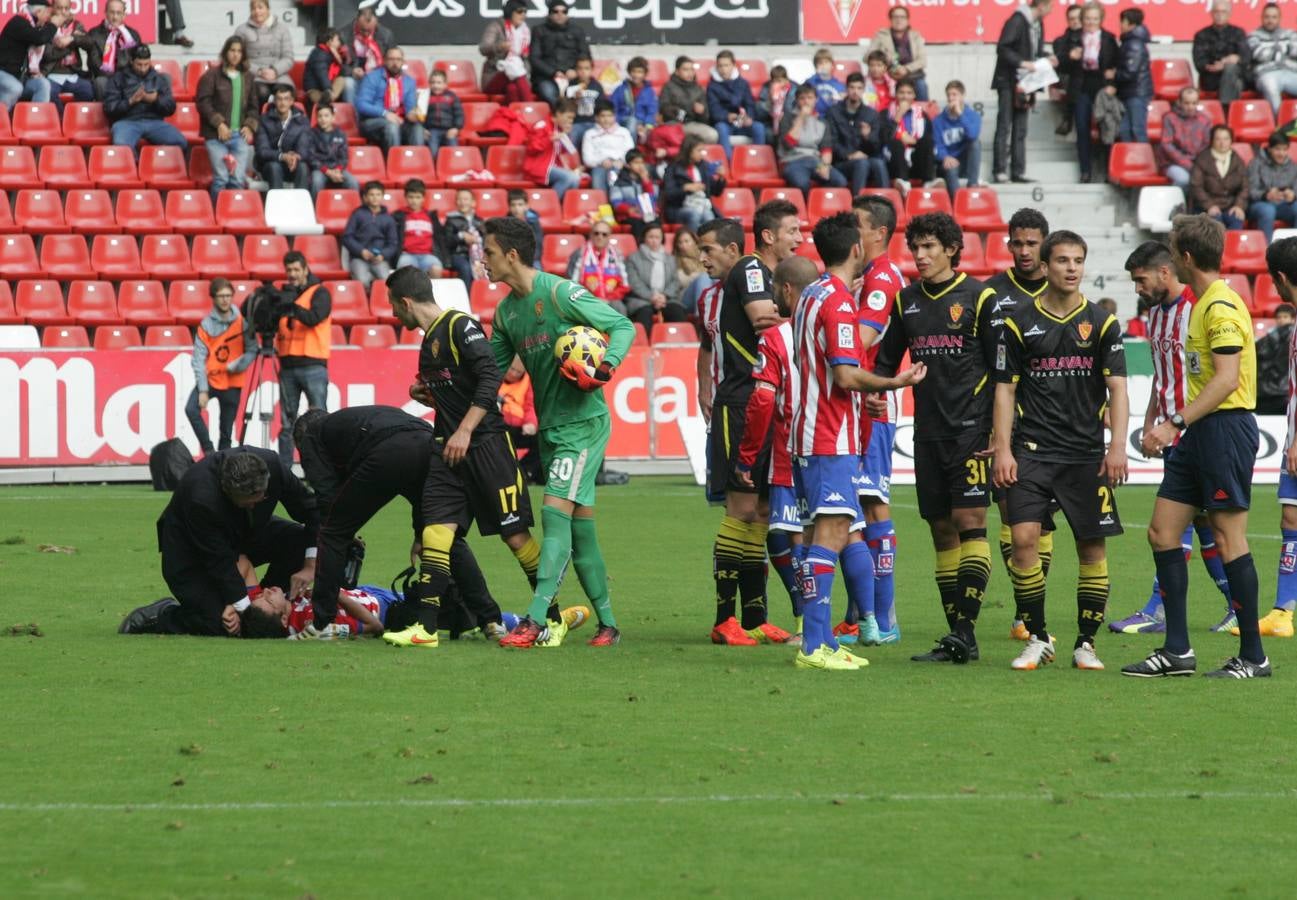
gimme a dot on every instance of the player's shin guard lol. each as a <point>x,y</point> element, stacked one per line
<point>1286,591</point>
<point>1243,592</point>
<point>974,573</point>
<point>1173,576</point>
<point>858,570</point>
<point>1029,597</point>
<point>587,559</point>
<point>528,556</point>
<point>881,538</point>
<point>1045,550</point>
<point>434,573</point>
<point>1091,599</point>
<point>817,594</point>
<point>1211,558</point>
<point>779,544</point>
<point>947,572</point>
<point>752,576</point>
<point>727,558</point>
<point>555,551</point>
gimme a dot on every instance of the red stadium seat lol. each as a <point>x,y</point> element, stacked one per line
<point>171,68</point>
<point>404,163</point>
<point>922,200</point>
<point>190,212</point>
<point>373,337</point>
<point>735,203</point>
<point>7,314</point>
<point>380,307</point>
<point>455,163</point>
<point>366,164</point>
<point>658,73</point>
<point>1170,76</point>
<point>899,253</point>
<point>144,302</point>
<point>18,257</point>
<point>410,337</point>
<point>6,127</point>
<point>263,256</point>
<point>1244,252</point>
<point>242,288</point>
<point>492,202</point>
<point>166,256</point>
<point>6,213</point>
<point>1238,283</point>
<point>544,203</point>
<point>529,113</point>
<point>333,206</point>
<point>114,168</point>
<point>1265,297</point>
<point>187,120</point>
<point>841,69</point>
<point>323,256</point>
<point>755,72</point>
<point>484,296</point>
<point>93,303</point>
<point>461,77</point>
<point>998,257</point>
<point>189,301</point>
<point>972,259</point>
<point>754,166</point>
<point>978,209</point>
<point>673,333</point>
<point>63,167</point>
<point>66,256</point>
<point>298,70</point>
<point>892,194</point>
<point>350,302</point>
<point>1287,111</point>
<point>715,153</point>
<point>241,212</point>
<point>168,336</point>
<point>1132,165</point>
<point>115,256</point>
<point>141,212</point>
<point>338,335</point>
<point>417,69</point>
<point>40,212</point>
<point>165,167</point>
<point>65,337</point>
<point>793,196</point>
<point>1245,152</point>
<point>579,205</point>
<point>217,255</point>
<point>18,169</point>
<point>200,170</point>
<point>1252,121</point>
<point>557,249</point>
<point>476,115</point>
<point>1214,109</point>
<point>440,200</point>
<point>37,124</point>
<point>117,337</point>
<point>625,244</point>
<point>641,336</point>
<point>40,302</point>
<point>827,201</point>
<point>1157,110</point>
<point>344,119</point>
<point>92,211</point>
<point>505,162</point>
<point>194,71</point>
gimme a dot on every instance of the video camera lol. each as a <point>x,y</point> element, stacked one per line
<point>264,307</point>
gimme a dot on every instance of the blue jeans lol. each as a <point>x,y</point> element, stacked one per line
<point>577,135</point>
<point>1082,113</point>
<point>388,134</point>
<point>600,177</point>
<point>920,88</point>
<point>423,261</point>
<point>1179,176</point>
<point>129,133</point>
<point>228,401</point>
<point>801,174</point>
<point>222,177</point>
<point>861,171</point>
<point>563,180</point>
<point>690,217</point>
<point>437,139</point>
<point>37,90</point>
<point>756,131</point>
<point>81,89</point>
<point>293,381</point>
<point>320,181</point>
<point>1264,214</point>
<point>1134,124</point>
<point>1230,222</point>
<point>276,173</point>
<point>1273,86</point>
<point>693,290</point>
<point>970,165</point>
<point>546,90</point>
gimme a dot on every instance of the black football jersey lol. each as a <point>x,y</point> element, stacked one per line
<point>458,366</point>
<point>948,328</point>
<point>1012,291</point>
<point>1059,365</point>
<point>736,340</point>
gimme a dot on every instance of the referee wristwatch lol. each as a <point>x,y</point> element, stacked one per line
<point>1178,421</point>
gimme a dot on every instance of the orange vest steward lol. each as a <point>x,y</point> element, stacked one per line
<point>223,349</point>
<point>296,339</point>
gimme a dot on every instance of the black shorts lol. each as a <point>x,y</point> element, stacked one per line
<point>949,475</point>
<point>723,442</point>
<point>486,486</point>
<point>1211,466</point>
<point>1088,501</point>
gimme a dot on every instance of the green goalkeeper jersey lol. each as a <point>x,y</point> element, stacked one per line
<point>529,327</point>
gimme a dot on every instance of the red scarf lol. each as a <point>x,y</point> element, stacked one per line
<point>73,59</point>
<point>519,39</point>
<point>335,67</point>
<point>392,98</point>
<point>603,274</point>
<point>367,49</point>
<point>118,39</point>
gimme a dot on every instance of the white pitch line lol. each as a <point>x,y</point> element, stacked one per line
<point>559,802</point>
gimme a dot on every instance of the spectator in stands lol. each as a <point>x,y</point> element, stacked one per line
<point>731,106</point>
<point>908,134</point>
<point>327,76</point>
<point>1221,55</point>
<point>1067,50</point>
<point>24,35</point>
<point>327,153</point>
<point>463,242</point>
<point>518,407</point>
<point>110,43</point>
<point>418,232</point>
<point>268,44</point>
<point>1272,363</point>
<point>553,160</point>
<point>880,87</point>
<point>806,146</point>
<point>62,62</point>
<point>1095,71</point>
<point>599,268</point>
<point>683,102</point>
<point>520,208</point>
<point>829,91</point>
<point>228,117</point>
<point>905,49</point>
<point>387,103</point>
<point>956,143</point>
<point>1274,58</point>
<point>1108,305</point>
<point>1186,132</point>
<point>1134,76</point>
<point>1272,186</point>
<point>856,132</point>
<point>365,43</point>
<point>303,344</point>
<point>175,14</point>
<point>1137,325</point>
<point>584,91</point>
<point>282,142</point>
<point>634,195</point>
<point>444,118</point>
<point>506,54</point>
<point>689,269</point>
<point>556,46</point>
<point>689,185</point>
<point>138,101</point>
<point>370,236</point>
<point>1218,183</point>
<point>224,346</point>
<point>604,148</point>
<point>654,284</point>
<point>1020,44</point>
<point>775,100</point>
<point>634,100</point>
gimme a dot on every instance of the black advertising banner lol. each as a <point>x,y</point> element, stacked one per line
<point>605,21</point>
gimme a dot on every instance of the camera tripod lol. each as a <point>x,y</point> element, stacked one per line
<point>265,359</point>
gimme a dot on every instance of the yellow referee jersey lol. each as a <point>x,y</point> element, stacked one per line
<point>1220,323</point>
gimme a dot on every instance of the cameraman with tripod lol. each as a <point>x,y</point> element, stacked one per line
<point>224,346</point>
<point>302,344</point>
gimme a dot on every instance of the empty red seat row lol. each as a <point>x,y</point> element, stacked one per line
<point>135,211</point>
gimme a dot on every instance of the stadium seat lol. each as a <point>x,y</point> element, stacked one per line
<point>166,256</point>
<point>998,256</point>
<point>827,201</point>
<point>754,166</point>
<point>1170,76</point>
<point>6,127</point>
<point>344,119</point>
<point>141,211</point>
<point>188,301</point>
<point>115,257</point>
<point>1265,297</point>
<point>217,255</point>
<point>379,305</point>
<point>625,244</point>
<point>297,72</point>
<point>113,167</point>
<point>715,153</point>
<point>438,200</point>
<point>65,337</point>
<point>66,256</point>
<point>735,203</point>
<point>417,69</point>
<point>18,169</point>
<point>350,303</point>
<point>793,196</point>
<point>37,124</point>
<point>1287,111</point>
<point>641,336</point>
<point>18,257</point>
<point>898,204</point>
<point>241,212</point>
<point>93,303</point>
<point>8,316</point>
<point>186,120</point>
<point>505,162</point>
<point>476,115</point>
<point>40,212</point>
<point>1156,204</point>
<point>404,163</point>
<point>338,336</point>
<point>492,202</point>
<point>168,336</point>
<point>333,206</point>
<point>410,337</point>
<point>484,296</point>
<point>455,163</point>
<point>1157,110</point>
<point>659,71</point>
<point>165,167</point>
<point>242,288</point>
<point>190,212</point>
<point>1214,109</point>
<point>544,203</point>
<point>1252,121</point>
<point>1246,153</point>
<point>531,112</point>
<point>1132,165</point>
<point>978,209</point>
<point>806,250</point>
<point>366,164</point>
<point>19,337</point>
<point>6,213</point>
<point>556,250</point>
<point>841,69</point>
<point>40,302</point>
<point>755,72</point>
<point>117,337</point>
<point>63,168</point>
<point>1244,252</point>
<point>144,302</point>
<point>263,256</point>
<point>91,211</point>
<point>1239,284</point>
<point>450,292</point>
<point>973,259</point>
<point>394,198</point>
<point>291,212</point>
<point>373,337</point>
<point>171,68</point>
<point>461,77</point>
<point>323,255</point>
<point>194,71</point>
<point>899,253</point>
<point>673,333</point>
<point>922,200</point>
<point>579,206</point>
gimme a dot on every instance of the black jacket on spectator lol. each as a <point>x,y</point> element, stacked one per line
<point>326,150</point>
<point>677,176</point>
<point>1272,371</point>
<point>844,128</point>
<point>444,111</point>
<point>53,60</point>
<point>275,136</point>
<point>1091,81</point>
<point>117,96</point>
<point>315,77</point>
<point>1134,76</point>
<point>1013,49</point>
<point>1211,44</point>
<point>555,49</point>
<point>16,38</point>
<point>1064,44</point>
<point>383,36</point>
<point>456,225</point>
<point>95,49</point>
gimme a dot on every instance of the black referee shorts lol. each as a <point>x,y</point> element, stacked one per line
<point>486,486</point>
<point>949,475</point>
<point>1211,466</point>
<point>1088,501</point>
<point>723,442</point>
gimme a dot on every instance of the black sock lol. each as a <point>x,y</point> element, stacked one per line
<point>1173,576</point>
<point>1029,597</point>
<point>974,573</point>
<point>752,578</point>
<point>727,559</point>
<point>1091,600</point>
<point>947,574</point>
<point>1243,590</point>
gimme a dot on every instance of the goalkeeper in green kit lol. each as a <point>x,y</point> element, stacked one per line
<point>573,416</point>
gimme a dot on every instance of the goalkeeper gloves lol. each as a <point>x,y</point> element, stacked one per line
<point>586,377</point>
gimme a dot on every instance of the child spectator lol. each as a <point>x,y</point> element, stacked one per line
<point>326,78</point>
<point>955,134</point>
<point>806,146</point>
<point>519,209</point>
<point>689,269</point>
<point>445,115</point>
<point>604,148</point>
<point>634,101</point>
<point>634,195</point>
<point>599,268</point>
<point>828,90</point>
<point>370,237</point>
<point>880,87</point>
<point>730,103</point>
<point>775,100</point>
<point>327,153</point>
<point>553,160</point>
<point>585,91</point>
<point>518,407</point>
<point>418,232</point>
<point>690,183</point>
<point>910,135</point>
<point>464,236</point>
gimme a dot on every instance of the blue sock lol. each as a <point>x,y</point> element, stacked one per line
<point>817,599</point>
<point>1211,559</point>
<point>858,570</point>
<point>509,620</point>
<point>1286,595</point>
<point>779,544</point>
<point>881,538</point>
<point>1154,606</point>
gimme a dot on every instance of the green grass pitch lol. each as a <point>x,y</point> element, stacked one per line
<point>180,767</point>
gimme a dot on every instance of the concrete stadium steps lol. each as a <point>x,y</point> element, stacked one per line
<point>208,24</point>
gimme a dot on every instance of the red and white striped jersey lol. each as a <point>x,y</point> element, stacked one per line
<point>883,281</point>
<point>1292,392</point>
<point>709,311</point>
<point>826,418</point>
<point>775,367</point>
<point>1168,324</point>
<point>303,613</point>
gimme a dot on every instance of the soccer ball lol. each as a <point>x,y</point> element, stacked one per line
<point>584,344</point>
